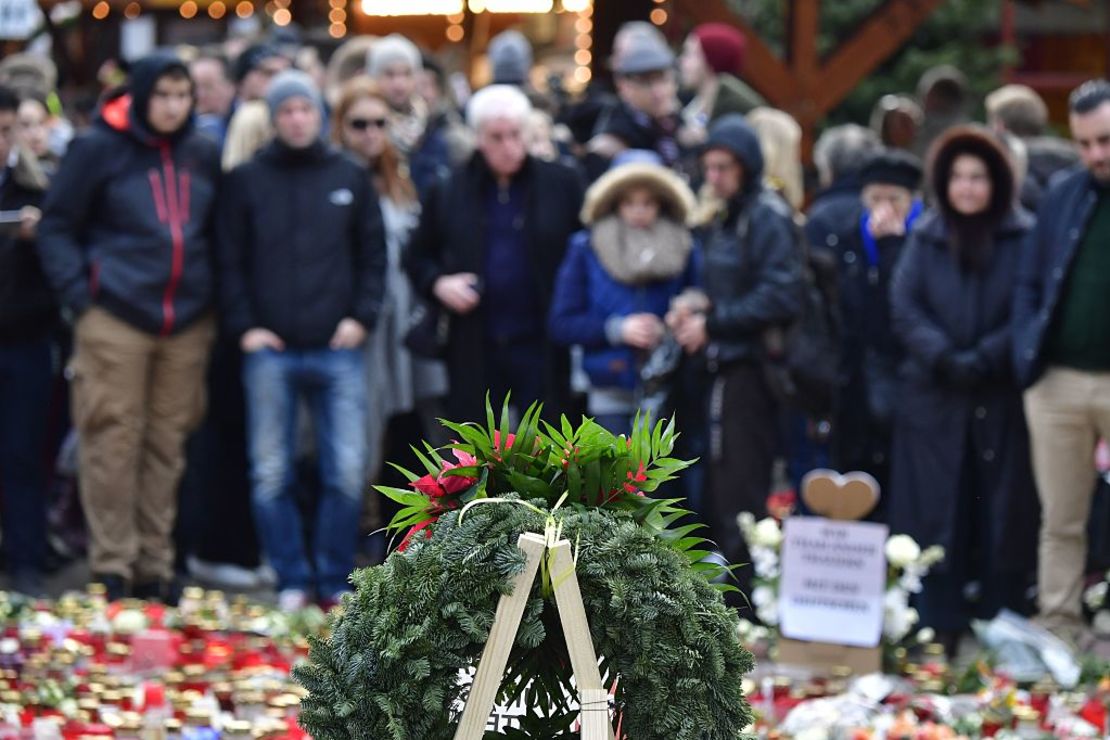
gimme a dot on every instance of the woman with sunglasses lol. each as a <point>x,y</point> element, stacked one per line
<point>400,383</point>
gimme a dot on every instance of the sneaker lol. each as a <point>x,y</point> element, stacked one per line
<point>292,599</point>
<point>223,575</point>
<point>267,576</point>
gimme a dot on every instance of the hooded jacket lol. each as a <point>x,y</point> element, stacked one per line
<point>589,302</point>
<point>752,265</point>
<point>127,223</point>
<point>941,432</point>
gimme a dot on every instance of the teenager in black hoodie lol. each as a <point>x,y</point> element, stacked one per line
<point>125,242</point>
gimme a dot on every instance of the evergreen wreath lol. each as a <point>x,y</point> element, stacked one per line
<point>390,668</point>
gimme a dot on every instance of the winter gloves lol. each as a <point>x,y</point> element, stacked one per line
<point>964,370</point>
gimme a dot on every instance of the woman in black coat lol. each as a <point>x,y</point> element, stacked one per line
<point>961,475</point>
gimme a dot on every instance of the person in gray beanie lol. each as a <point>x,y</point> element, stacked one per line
<point>303,258</point>
<point>394,63</point>
<point>510,58</point>
<point>292,83</point>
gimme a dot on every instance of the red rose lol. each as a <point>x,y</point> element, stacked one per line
<point>781,504</point>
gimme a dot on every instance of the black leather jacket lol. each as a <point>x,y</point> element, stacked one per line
<point>753,277</point>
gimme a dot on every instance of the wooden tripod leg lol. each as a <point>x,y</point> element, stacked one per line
<point>495,656</point>
<point>595,714</point>
<point>576,631</point>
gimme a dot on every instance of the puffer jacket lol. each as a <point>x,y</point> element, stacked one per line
<point>127,223</point>
<point>587,297</point>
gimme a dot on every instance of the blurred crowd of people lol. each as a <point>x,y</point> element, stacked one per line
<point>262,276</point>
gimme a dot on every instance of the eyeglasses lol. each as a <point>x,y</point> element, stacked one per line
<point>361,124</point>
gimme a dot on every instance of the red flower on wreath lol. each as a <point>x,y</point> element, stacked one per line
<point>440,485</point>
<point>453,484</point>
<point>434,514</point>
<point>429,486</point>
<point>639,477</point>
<point>497,448</point>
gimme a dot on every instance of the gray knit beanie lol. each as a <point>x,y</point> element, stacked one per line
<point>292,83</point>
<point>390,50</point>
<point>510,56</point>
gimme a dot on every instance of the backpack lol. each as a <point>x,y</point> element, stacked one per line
<point>801,359</point>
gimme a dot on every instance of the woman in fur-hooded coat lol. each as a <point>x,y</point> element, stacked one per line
<point>961,475</point>
<point>614,276</point>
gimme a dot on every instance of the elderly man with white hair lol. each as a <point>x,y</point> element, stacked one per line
<point>395,64</point>
<point>490,241</point>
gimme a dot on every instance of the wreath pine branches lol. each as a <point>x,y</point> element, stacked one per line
<point>390,668</point>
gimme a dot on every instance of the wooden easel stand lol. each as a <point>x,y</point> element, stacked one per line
<point>593,699</point>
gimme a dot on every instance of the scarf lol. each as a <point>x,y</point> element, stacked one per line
<point>639,256</point>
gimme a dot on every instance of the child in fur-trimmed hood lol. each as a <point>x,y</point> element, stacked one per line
<point>619,276</point>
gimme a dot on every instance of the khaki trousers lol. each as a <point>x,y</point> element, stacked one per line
<point>1067,411</point>
<point>136,397</point>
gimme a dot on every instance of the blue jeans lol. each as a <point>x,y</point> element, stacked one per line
<point>334,384</point>
<point>26,376</point>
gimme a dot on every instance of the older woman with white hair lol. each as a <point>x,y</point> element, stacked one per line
<point>490,241</point>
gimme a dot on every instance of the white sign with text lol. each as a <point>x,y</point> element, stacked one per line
<point>833,581</point>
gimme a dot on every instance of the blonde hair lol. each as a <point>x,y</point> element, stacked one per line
<point>780,138</point>
<point>250,129</point>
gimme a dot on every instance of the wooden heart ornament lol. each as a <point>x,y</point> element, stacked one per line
<point>845,497</point>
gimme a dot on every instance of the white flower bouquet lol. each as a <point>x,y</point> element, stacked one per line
<point>907,565</point>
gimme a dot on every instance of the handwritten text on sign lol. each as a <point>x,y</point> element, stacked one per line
<point>833,579</point>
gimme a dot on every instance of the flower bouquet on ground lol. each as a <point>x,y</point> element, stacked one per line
<point>907,565</point>
<point>667,645</point>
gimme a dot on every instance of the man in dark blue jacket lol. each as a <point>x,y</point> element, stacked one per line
<point>303,256</point>
<point>753,282</point>
<point>125,242</point>
<point>1062,353</point>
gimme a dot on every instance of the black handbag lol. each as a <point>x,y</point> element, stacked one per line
<point>427,331</point>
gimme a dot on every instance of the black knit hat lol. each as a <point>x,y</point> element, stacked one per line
<point>251,58</point>
<point>892,167</point>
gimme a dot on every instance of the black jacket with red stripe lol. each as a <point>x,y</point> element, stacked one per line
<point>128,221</point>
